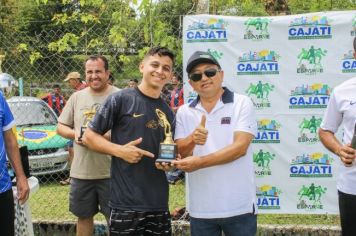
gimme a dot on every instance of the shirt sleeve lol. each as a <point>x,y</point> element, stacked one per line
<point>246,119</point>
<point>8,122</point>
<point>104,119</point>
<point>332,116</point>
<point>179,129</point>
<point>67,115</point>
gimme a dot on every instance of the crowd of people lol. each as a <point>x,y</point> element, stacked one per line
<point>117,135</point>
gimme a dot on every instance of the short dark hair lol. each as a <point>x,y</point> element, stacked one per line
<point>97,57</point>
<point>134,80</point>
<point>161,51</point>
<point>56,86</point>
<point>355,44</point>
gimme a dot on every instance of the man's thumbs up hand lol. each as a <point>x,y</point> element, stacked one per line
<point>200,134</point>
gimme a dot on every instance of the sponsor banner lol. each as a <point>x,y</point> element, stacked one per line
<point>288,66</point>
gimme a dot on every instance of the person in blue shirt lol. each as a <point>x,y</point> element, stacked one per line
<point>9,148</point>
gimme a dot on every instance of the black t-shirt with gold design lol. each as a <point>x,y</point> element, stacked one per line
<point>130,114</point>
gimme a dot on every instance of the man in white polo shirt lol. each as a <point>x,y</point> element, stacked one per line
<point>342,110</point>
<point>213,134</point>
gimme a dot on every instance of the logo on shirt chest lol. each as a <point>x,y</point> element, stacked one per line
<point>135,115</point>
<point>225,120</point>
<point>152,124</point>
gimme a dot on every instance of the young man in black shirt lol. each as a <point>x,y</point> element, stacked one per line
<point>139,191</point>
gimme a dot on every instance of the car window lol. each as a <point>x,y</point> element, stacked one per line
<point>32,113</point>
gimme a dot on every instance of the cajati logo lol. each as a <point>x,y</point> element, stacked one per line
<point>212,30</point>
<point>309,27</point>
<point>349,62</point>
<point>310,96</point>
<point>258,63</point>
<point>268,131</point>
<point>311,165</point>
<point>268,197</point>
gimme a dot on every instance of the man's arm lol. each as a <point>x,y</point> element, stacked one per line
<point>65,131</point>
<point>185,146</point>
<point>128,152</point>
<point>13,154</point>
<point>345,152</point>
<point>225,155</point>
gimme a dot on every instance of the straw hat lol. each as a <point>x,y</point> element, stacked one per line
<point>72,75</point>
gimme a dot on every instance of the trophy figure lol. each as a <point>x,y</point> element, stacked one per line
<point>89,115</point>
<point>167,149</point>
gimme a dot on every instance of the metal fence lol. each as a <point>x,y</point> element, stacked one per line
<point>49,161</point>
<point>50,203</point>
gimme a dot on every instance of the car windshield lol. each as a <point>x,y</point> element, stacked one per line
<point>30,113</point>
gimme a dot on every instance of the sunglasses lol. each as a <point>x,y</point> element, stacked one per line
<point>208,73</point>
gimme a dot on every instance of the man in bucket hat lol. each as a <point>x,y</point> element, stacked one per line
<point>73,79</point>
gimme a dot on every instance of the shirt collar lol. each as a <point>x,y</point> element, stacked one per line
<point>226,97</point>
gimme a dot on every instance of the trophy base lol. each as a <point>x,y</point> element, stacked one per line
<point>82,130</point>
<point>167,153</point>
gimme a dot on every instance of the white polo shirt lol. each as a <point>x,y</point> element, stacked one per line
<point>223,190</point>
<point>341,110</point>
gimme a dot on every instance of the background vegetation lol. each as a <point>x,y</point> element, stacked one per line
<point>45,39</point>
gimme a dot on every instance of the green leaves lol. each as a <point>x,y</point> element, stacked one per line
<point>66,43</point>
<point>34,56</point>
<point>22,47</point>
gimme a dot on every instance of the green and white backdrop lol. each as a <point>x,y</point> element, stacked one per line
<point>288,66</point>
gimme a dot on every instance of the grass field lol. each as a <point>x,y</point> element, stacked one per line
<point>50,203</point>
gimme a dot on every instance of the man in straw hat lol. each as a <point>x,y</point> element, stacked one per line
<point>73,80</point>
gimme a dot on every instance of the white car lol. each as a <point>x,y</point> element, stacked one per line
<point>36,125</point>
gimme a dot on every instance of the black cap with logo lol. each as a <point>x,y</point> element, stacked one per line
<point>200,57</point>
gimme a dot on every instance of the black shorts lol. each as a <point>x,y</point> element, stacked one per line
<point>88,197</point>
<point>7,213</point>
<point>140,223</point>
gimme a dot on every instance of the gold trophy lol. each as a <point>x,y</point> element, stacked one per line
<point>89,115</point>
<point>167,149</point>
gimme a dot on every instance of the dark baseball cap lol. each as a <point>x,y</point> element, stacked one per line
<point>200,57</point>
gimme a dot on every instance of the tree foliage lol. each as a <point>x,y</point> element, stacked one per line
<point>121,29</point>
